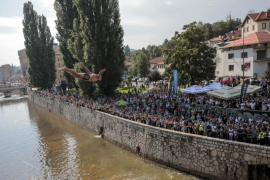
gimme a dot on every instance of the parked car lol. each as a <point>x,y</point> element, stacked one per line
<point>133,79</point>
<point>140,80</point>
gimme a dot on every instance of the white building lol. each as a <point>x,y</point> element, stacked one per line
<point>256,56</point>
<point>157,64</point>
<point>229,60</point>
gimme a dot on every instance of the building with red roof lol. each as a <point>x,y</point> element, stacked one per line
<point>255,52</point>
<point>128,64</point>
<point>250,42</point>
<point>258,22</point>
<point>157,64</point>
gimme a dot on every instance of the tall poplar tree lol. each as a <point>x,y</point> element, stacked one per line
<point>39,48</point>
<point>76,47</point>
<point>102,36</point>
<point>66,12</point>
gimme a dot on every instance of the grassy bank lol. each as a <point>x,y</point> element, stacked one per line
<point>126,89</point>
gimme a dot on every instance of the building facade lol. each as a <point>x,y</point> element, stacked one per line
<point>6,71</point>
<point>58,63</point>
<point>157,64</point>
<point>246,49</point>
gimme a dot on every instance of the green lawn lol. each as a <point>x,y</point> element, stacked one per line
<point>125,89</point>
<point>73,91</point>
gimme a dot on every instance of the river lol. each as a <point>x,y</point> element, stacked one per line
<point>36,144</point>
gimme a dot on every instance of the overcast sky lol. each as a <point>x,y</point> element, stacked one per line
<point>144,21</point>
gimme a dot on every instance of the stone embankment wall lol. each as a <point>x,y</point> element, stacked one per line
<point>207,157</point>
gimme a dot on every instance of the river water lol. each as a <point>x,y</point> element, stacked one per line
<point>36,144</point>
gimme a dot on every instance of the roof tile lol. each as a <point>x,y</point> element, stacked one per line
<point>254,38</point>
<point>157,60</point>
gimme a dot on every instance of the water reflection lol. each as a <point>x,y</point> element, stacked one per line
<point>42,145</point>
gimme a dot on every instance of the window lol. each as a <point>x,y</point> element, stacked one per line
<point>268,65</point>
<point>60,76</point>
<point>247,29</point>
<point>264,25</point>
<point>253,28</point>
<point>230,56</point>
<point>243,67</point>
<point>58,64</point>
<point>260,54</point>
<point>245,54</point>
<point>58,59</point>
<point>231,67</point>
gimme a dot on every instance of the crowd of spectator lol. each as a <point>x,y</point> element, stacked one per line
<point>196,114</point>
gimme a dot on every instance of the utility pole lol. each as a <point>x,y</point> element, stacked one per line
<point>243,66</point>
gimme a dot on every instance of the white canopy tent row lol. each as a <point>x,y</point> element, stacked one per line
<point>251,88</point>
<point>226,93</point>
<point>197,89</point>
<point>193,90</point>
<point>232,92</point>
<point>214,86</point>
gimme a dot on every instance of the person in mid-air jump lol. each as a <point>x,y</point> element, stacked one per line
<point>90,77</point>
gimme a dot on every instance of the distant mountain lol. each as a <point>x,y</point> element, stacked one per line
<point>132,50</point>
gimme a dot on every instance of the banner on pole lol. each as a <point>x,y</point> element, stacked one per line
<point>171,88</point>
<point>247,65</point>
<point>244,90</point>
<point>125,75</point>
<point>175,76</point>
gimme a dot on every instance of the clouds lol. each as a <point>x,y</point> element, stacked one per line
<point>11,22</point>
<point>211,3</point>
<point>144,21</point>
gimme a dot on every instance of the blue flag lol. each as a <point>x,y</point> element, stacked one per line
<point>175,81</point>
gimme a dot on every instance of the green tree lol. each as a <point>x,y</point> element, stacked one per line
<point>64,85</point>
<point>66,12</point>
<point>150,49</point>
<point>169,45</point>
<point>39,48</point>
<point>102,37</point>
<point>154,76</point>
<point>192,58</point>
<point>134,69</point>
<point>128,82</point>
<point>142,65</point>
<point>76,47</point>
<point>145,51</point>
<point>127,50</point>
<point>268,10</point>
<point>156,52</point>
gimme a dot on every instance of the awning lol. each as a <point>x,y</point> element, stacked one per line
<point>251,88</point>
<point>226,93</point>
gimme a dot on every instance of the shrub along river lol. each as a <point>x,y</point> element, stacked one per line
<point>36,144</point>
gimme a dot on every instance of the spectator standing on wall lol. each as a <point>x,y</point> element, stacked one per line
<point>254,133</point>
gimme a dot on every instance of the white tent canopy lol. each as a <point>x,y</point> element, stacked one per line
<point>250,89</point>
<point>193,90</point>
<point>226,93</point>
<point>206,89</point>
<point>214,86</point>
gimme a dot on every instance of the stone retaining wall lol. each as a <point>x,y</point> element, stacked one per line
<point>207,157</point>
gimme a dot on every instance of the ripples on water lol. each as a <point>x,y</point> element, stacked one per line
<point>36,144</point>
